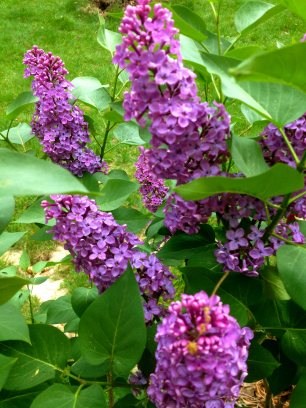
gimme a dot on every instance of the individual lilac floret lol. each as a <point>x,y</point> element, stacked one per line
<point>102,249</point>
<point>201,355</point>
<point>59,126</point>
<point>153,189</point>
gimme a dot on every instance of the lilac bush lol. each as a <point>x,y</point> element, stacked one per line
<point>189,137</point>
<point>249,223</point>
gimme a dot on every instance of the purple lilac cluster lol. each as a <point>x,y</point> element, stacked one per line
<point>59,126</point>
<point>245,250</point>
<point>188,137</point>
<point>102,249</point>
<point>153,189</point>
<point>275,150</point>
<point>201,355</point>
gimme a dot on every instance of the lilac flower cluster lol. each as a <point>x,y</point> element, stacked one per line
<point>243,252</point>
<point>153,189</point>
<point>102,249</point>
<point>59,126</point>
<point>188,137</point>
<point>275,150</point>
<point>189,140</point>
<point>201,355</point>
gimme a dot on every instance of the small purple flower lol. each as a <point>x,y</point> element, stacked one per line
<point>297,236</point>
<point>236,239</point>
<point>260,251</point>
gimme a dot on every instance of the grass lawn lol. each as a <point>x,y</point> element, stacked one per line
<point>68,28</point>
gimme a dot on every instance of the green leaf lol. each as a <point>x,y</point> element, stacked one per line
<point>106,38</point>
<point>24,261</point>
<point>19,134</point>
<point>128,133</point>
<point>98,99</point>
<point>113,116</point>
<point>22,102</point>
<point>253,13</point>
<point>61,396</point>
<point>188,22</point>
<point>294,345</point>
<point>112,328</point>
<point>274,314</point>
<point>6,364</point>
<point>198,279</point>
<point>298,396</point>
<point>38,362</point>
<point>285,65</point>
<point>191,53</point>
<point>42,234</point>
<point>274,101</point>
<point>263,186</point>
<point>90,91</point>
<point>12,324</point>
<point>220,65</point>
<point>135,220</point>
<point>59,310</point>
<point>83,85</point>
<point>9,286</point>
<point>81,298</point>
<point>291,263</point>
<point>284,103</point>
<point>18,399</point>
<point>8,239</point>
<point>205,258</point>
<point>6,272</point>
<point>115,192</point>
<point>273,285</point>
<point>85,370</point>
<point>127,402</point>
<point>297,7</point>
<point>243,53</point>
<point>33,176</point>
<point>250,115</point>
<point>261,363</point>
<point>7,207</point>
<point>33,214</point>
<point>248,157</point>
<point>184,246</point>
<point>284,375</point>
